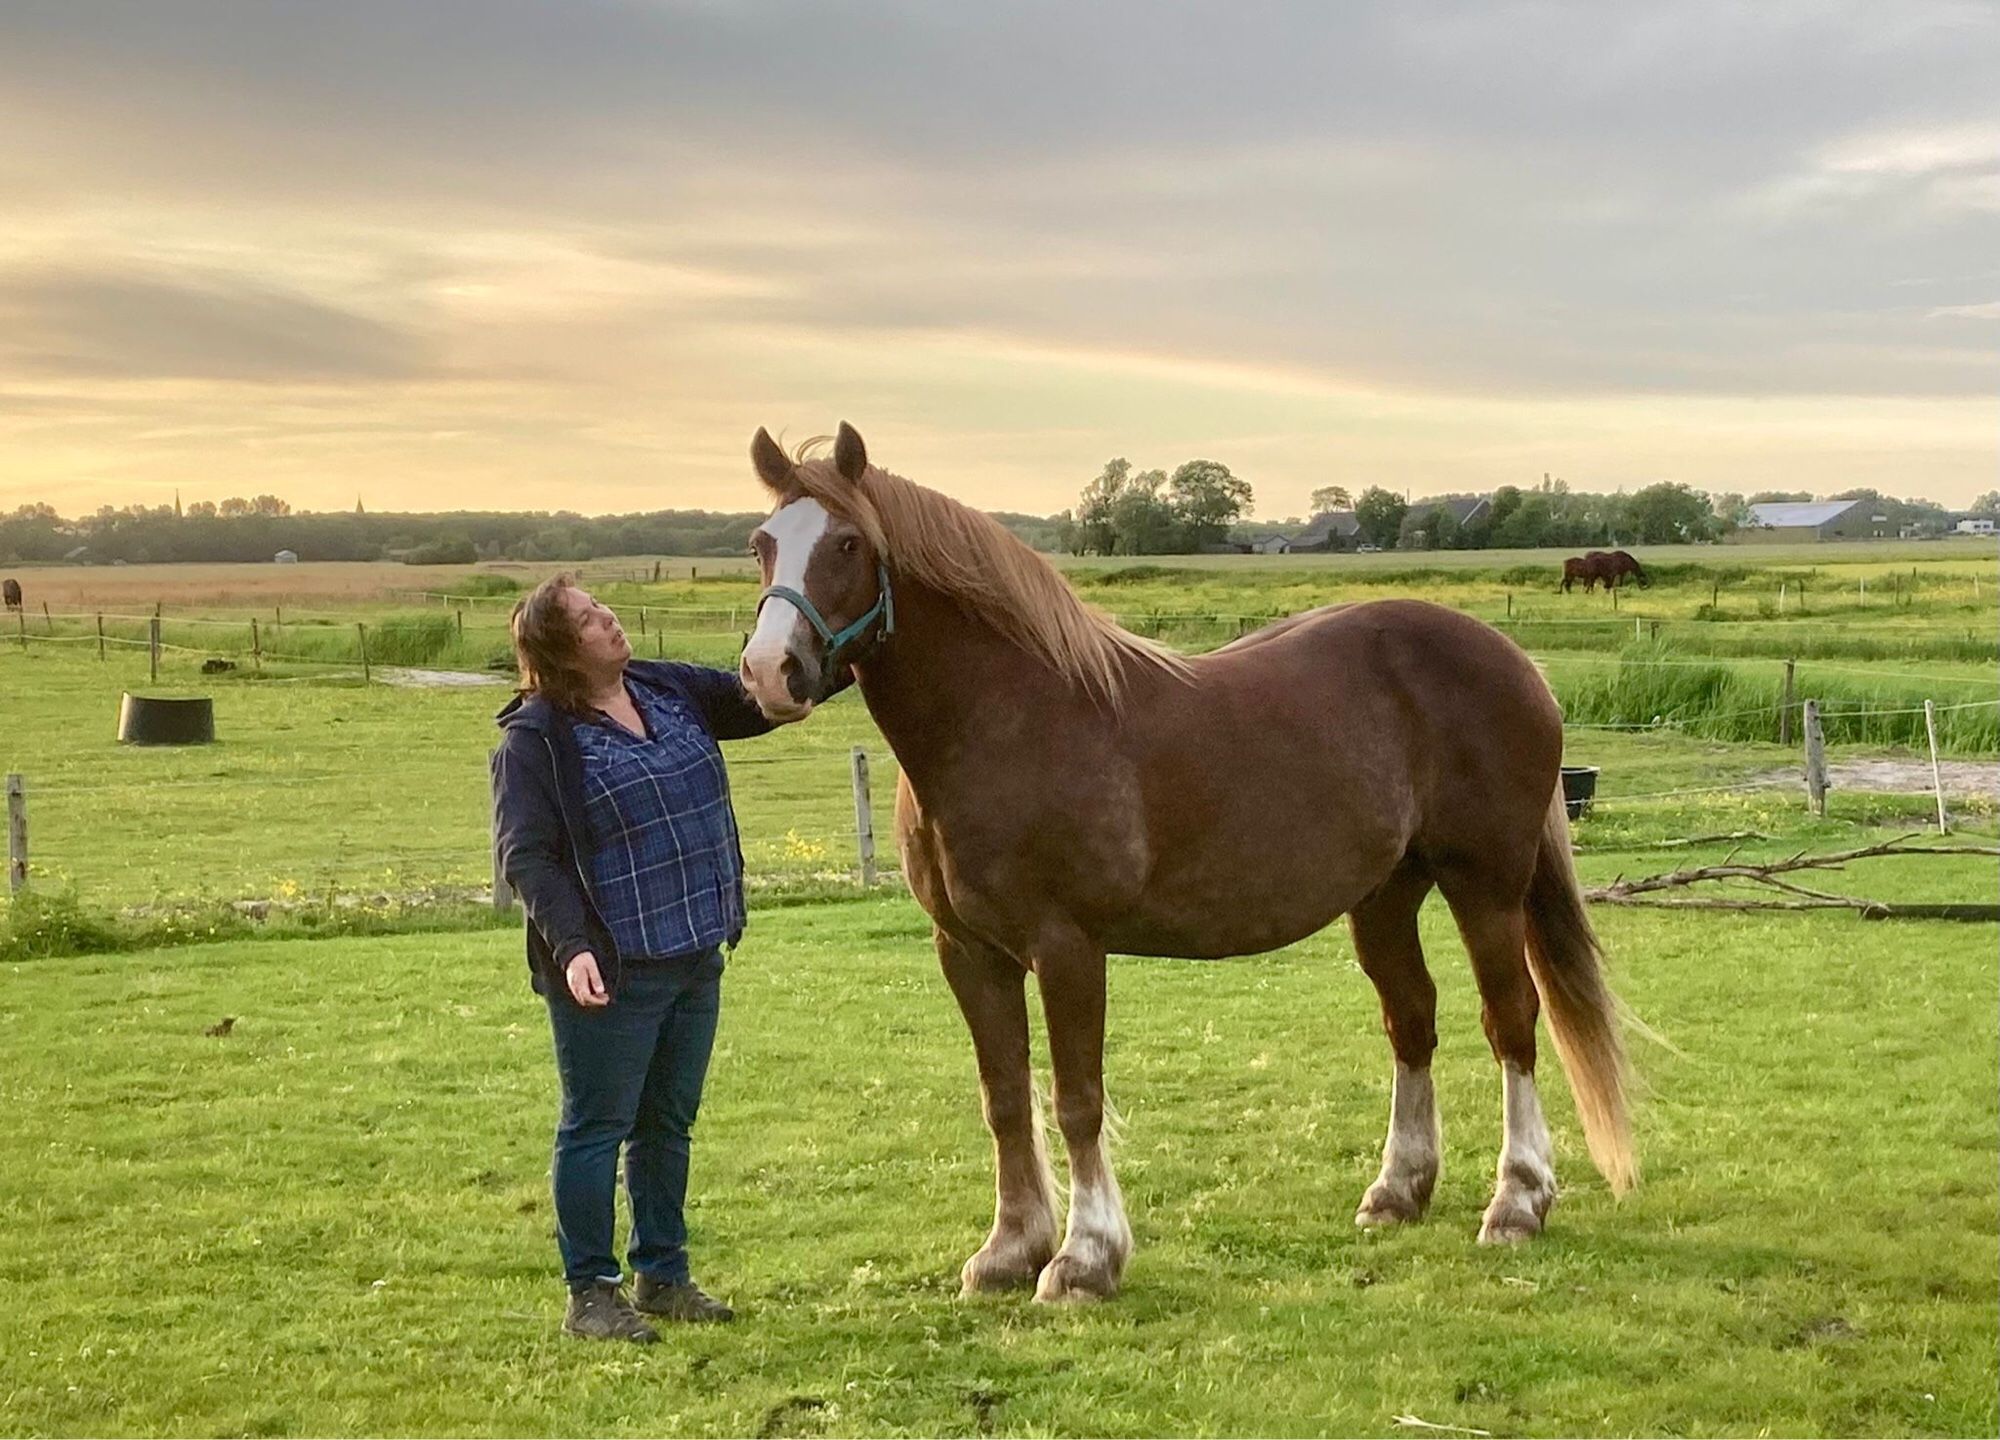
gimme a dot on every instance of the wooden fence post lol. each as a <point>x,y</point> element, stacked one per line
<point>1785,707</point>
<point>21,619</point>
<point>1510,604</point>
<point>1816,781</point>
<point>256,644</point>
<point>153,646</point>
<point>461,622</point>
<point>864,820</point>
<point>17,835</point>
<point>642,620</point>
<point>48,620</point>
<point>1937,779</point>
<point>100,637</point>
<point>362,630</point>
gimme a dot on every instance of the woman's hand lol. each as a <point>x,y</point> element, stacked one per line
<point>586,984</point>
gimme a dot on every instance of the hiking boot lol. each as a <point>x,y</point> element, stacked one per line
<point>679,1302</point>
<point>601,1312</point>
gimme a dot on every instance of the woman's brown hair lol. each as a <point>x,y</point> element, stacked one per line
<point>545,646</point>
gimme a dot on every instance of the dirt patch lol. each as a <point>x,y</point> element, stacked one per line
<point>403,675</point>
<point>1895,777</point>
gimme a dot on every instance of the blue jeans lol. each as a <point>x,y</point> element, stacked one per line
<point>632,1073</point>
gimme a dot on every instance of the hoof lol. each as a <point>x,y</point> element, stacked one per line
<point>1066,1280</point>
<point>1515,1216</point>
<point>1388,1204</point>
<point>990,1271</point>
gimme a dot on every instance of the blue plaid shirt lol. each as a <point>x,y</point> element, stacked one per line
<point>666,866</point>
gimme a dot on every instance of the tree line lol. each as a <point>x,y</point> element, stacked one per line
<point>241,530</point>
<point>1200,505</point>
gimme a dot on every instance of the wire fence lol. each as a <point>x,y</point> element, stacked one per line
<point>808,820</point>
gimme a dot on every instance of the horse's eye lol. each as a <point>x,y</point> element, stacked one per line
<point>849,546</point>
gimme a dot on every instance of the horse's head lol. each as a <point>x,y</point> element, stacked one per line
<point>826,600</point>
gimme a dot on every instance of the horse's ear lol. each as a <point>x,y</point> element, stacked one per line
<point>850,456</point>
<point>772,466</point>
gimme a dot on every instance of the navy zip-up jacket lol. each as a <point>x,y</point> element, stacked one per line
<point>538,812</point>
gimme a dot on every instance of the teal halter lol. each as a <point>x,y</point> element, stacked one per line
<point>884,607</point>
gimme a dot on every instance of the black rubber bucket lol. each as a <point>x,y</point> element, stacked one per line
<point>1579,789</point>
<point>158,720</point>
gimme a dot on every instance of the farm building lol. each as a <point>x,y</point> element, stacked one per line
<point>1420,521</point>
<point>1272,545</point>
<point>1329,530</point>
<point>1975,525</point>
<point>286,557</point>
<point>1779,522</point>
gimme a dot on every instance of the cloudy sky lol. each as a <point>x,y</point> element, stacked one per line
<point>571,255</point>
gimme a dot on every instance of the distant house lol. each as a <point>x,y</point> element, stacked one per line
<point>1328,530</point>
<point>1975,525</point>
<point>286,557</point>
<point>1777,522</point>
<point>1463,510</point>
<point>1272,545</point>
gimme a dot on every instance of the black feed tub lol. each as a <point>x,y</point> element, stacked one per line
<point>1579,789</point>
<point>157,720</point>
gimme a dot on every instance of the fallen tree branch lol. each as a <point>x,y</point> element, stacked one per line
<point>1688,844</point>
<point>1648,889</point>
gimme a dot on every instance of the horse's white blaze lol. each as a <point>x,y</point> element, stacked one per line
<point>796,531</point>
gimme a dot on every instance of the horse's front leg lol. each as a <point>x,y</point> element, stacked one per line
<point>1069,970</point>
<point>990,987</point>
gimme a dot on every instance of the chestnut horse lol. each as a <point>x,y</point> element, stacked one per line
<point>1610,566</point>
<point>1069,789</point>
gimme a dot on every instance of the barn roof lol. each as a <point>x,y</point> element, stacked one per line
<point>1817,513</point>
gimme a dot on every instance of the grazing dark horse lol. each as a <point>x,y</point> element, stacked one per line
<point>1609,566</point>
<point>1069,789</point>
<point>11,589</point>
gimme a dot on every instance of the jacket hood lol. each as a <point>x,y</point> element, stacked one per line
<point>529,711</point>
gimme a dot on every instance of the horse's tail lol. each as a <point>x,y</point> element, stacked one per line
<point>1566,961</point>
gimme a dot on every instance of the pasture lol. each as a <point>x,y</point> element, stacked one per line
<point>336,1217</point>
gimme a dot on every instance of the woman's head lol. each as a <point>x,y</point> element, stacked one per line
<point>568,646</point>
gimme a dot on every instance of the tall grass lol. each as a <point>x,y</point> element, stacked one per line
<point>1721,702</point>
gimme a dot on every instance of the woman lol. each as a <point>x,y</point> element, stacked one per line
<point>613,823</point>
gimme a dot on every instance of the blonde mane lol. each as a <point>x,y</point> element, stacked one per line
<point>971,557</point>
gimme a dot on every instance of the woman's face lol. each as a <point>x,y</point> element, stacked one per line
<point>601,645</point>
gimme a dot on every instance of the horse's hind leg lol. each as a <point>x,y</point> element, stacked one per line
<point>991,990</point>
<point>1385,937</point>
<point>1494,924</point>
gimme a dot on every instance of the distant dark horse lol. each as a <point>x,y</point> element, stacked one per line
<point>1610,566</point>
<point>12,590</point>
<point>1068,789</point>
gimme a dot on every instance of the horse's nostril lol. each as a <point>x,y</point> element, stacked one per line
<point>788,667</point>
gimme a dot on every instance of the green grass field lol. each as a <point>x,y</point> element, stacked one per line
<point>335,1220</point>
